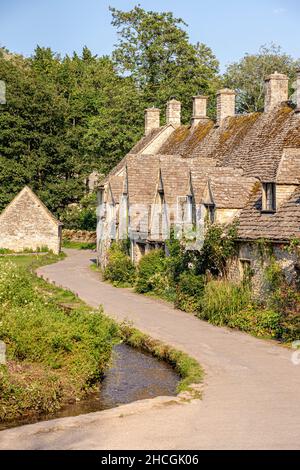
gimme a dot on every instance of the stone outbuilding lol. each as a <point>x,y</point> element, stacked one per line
<point>26,223</point>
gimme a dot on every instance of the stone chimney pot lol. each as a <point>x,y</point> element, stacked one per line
<point>152,119</point>
<point>225,104</point>
<point>199,109</point>
<point>173,113</point>
<point>276,90</point>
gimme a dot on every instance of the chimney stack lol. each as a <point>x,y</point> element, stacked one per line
<point>152,119</point>
<point>276,90</point>
<point>298,91</point>
<point>173,113</point>
<point>199,109</point>
<point>225,104</point>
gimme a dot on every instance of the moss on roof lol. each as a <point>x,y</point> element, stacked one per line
<point>237,127</point>
<point>184,139</point>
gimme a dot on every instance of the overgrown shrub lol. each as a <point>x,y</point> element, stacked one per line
<point>258,321</point>
<point>284,298</point>
<point>119,269</point>
<point>290,326</point>
<point>150,270</point>
<point>222,299</point>
<point>189,292</point>
<point>218,247</point>
<point>227,304</point>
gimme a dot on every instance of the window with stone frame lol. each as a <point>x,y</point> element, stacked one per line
<point>210,211</point>
<point>268,197</point>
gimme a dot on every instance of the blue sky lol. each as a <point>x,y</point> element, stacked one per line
<point>229,27</point>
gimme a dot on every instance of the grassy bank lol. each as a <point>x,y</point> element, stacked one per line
<point>78,245</point>
<point>57,347</point>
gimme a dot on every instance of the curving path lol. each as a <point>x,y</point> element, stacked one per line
<point>251,395</point>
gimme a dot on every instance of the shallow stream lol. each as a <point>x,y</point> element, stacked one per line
<point>134,375</point>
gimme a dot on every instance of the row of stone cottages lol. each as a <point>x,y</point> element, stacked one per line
<point>241,167</point>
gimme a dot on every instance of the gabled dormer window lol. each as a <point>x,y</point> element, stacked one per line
<point>269,197</point>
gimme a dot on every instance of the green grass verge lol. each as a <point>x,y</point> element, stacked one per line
<point>187,367</point>
<point>39,249</point>
<point>78,245</point>
<point>57,347</point>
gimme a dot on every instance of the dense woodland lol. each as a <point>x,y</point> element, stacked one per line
<point>65,117</point>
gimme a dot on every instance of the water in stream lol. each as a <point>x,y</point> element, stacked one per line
<point>134,375</point>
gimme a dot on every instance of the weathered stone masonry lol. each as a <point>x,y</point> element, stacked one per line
<point>27,224</point>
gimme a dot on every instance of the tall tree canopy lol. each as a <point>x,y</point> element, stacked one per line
<point>154,49</point>
<point>66,117</point>
<point>247,76</point>
<point>63,118</point>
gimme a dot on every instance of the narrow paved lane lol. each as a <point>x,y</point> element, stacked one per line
<point>251,396</point>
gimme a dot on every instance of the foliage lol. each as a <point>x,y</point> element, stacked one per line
<point>150,270</point>
<point>119,269</point>
<point>63,119</point>
<point>222,299</point>
<point>273,275</point>
<point>154,49</point>
<point>81,216</point>
<point>219,246</point>
<point>290,324</point>
<point>179,259</point>
<point>293,246</point>
<point>39,249</point>
<point>79,245</point>
<point>283,297</point>
<point>52,356</point>
<point>189,291</point>
<point>248,75</point>
<point>258,321</point>
<point>264,248</point>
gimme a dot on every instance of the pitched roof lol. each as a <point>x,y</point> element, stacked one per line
<point>145,140</point>
<point>288,171</point>
<point>253,142</point>
<point>260,151</point>
<point>231,192</point>
<point>27,191</point>
<point>185,139</point>
<point>233,156</point>
<point>230,189</point>
<point>281,226</point>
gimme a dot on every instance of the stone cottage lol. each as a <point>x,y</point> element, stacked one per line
<point>180,177</point>
<point>26,223</point>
